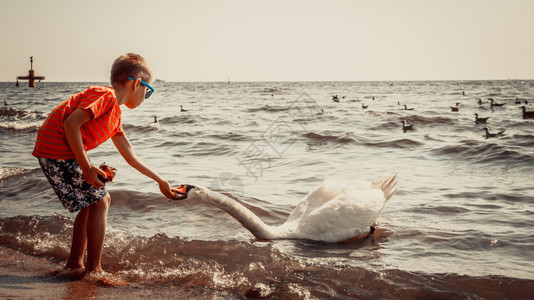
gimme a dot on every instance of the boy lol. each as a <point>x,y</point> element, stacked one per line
<point>79,124</point>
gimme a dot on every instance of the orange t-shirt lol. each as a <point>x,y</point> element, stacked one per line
<point>106,122</point>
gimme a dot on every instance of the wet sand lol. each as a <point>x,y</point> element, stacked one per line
<point>28,277</point>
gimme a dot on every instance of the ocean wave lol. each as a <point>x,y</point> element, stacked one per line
<point>247,269</point>
<point>267,108</point>
<point>21,120</point>
<point>9,172</point>
<point>139,128</point>
<point>429,120</point>
<point>10,112</point>
<point>269,91</point>
<point>523,140</point>
<point>167,123</point>
<point>183,119</point>
<point>496,198</point>
<point>396,143</point>
<point>229,136</point>
<point>485,152</point>
<point>349,138</point>
<point>343,139</point>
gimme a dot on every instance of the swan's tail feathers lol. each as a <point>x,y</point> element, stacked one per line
<point>388,185</point>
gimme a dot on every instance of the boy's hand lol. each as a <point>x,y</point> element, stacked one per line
<point>166,190</point>
<point>91,176</point>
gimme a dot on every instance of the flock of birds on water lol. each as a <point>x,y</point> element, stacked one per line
<point>406,126</point>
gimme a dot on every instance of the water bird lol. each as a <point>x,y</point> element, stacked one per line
<point>517,101</point>
<point>406,107</point>
<point>335,98</point>
<point>479,101</point>
<point>455,107</point>
<point>364,106</point>
<point>492,135</point>
<point>335,211</point>
<point>5,102</point>
<point>182,108</point>
<point>493,103</point>
<point>480,120</point>
<point>527,114</point>
<point>155,123</point>
<point>406,125</point>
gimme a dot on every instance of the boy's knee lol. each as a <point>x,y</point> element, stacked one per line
<point>107,198</point>
<point>103,203</point>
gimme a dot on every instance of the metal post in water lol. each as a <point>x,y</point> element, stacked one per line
<point>31,76</point>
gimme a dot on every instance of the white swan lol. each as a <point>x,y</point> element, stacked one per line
<point>332,212</point>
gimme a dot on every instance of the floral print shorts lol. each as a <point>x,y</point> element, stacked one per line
<point>66,178</point>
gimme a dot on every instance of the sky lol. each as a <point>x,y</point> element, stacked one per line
<point>274,40</point>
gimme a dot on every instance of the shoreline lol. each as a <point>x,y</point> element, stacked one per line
<point>24,276</point>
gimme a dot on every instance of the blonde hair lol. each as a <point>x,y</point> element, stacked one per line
<point>127,65</point>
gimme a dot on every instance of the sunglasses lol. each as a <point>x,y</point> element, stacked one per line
<point>149,90</point>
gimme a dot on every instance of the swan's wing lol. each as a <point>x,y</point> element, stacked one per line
<point>348,215</point>
<point>303,205</point>
<point>321,194</point>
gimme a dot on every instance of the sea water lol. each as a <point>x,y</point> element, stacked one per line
<point>460,225</point>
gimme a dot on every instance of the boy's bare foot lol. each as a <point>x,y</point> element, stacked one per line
<point>68,273</point>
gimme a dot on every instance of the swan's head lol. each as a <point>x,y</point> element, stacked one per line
<point>198,193</point>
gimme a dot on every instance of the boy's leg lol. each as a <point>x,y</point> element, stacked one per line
<point>79,240</point>
<point>96,232</point>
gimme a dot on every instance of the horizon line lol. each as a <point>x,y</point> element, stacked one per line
<point>246,81</point>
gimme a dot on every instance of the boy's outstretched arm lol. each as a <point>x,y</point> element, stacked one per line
<point>71,126</point>
<point>126,150</point>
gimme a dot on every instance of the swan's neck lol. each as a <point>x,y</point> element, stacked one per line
<point>242,214</point>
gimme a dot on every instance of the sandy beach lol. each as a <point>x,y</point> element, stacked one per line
<point>28,277</point>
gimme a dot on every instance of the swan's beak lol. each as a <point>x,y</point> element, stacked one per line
<point>182,191</point>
